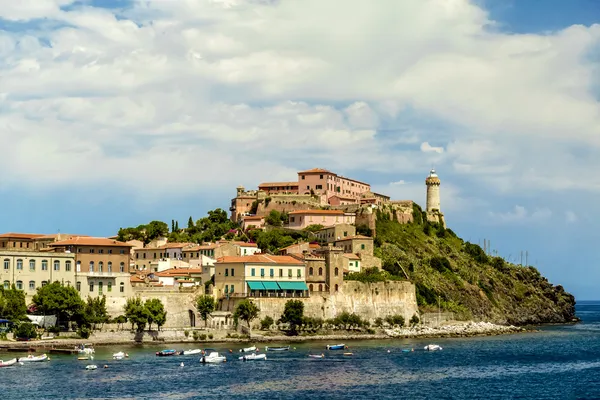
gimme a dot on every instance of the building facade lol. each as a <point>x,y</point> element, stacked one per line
<point>28,270</point>
<point>335,232</point>
<point>303,218</point>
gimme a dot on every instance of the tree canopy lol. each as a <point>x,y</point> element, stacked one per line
<point>156,313</point>
<point>246,310</point>
<point>59,300</point>
<point>95,312</point>
<point>12,304</point>
<point>293,314</point>
<point>136,313</point>
<point>205,305</point>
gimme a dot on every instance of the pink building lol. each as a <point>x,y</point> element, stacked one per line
<point>279,187</point>
<point>328,184</point>
<point>303,218</point>
<point>257,222</point>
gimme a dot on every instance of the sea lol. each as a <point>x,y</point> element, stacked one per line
<point>557,362</point>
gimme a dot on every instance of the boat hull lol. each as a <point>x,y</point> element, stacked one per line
<point>278,348</point>
<point>8,363</point>
<point>336,347</point>
<point>41,358</point>
<point>253,357</point>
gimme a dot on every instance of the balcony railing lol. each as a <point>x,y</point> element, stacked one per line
<point>106,274</point>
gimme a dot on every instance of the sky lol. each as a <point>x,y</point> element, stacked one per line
<point>114,113</point>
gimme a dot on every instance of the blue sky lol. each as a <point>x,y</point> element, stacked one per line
<point>119,112</point>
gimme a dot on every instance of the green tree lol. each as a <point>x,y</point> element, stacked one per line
<point>274,218</point>
<point>266,323</point>
<point>293,314</point>
<point>156,313</point>
<point>246,310</point>
<point>190,223</point>
<point>172,225</point>
<point>120,320</point>
<point>156,229</point>
<point>176,226</point>
<point>26,330</point>
<point>95,312</point>
<point>59,300</point>
<point>136,313</point>
<point>314,228</point>
<point>12,304</point>
<point>205,305</point>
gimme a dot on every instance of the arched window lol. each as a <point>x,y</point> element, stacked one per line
<point>91,266</point>
<point>122,267</point>
<point>68,266</point>
<point>320,287</point>
<point>100,266</point>
<point>6,285</point>
<point>121,287</point>
<point>20,285</point>
<point>310,287</point>
<point>32,285</point>
<point>56,265</point>
<point>310,271</point>
<point>44,265</point>
<point>336,287</point>
<point>78,286</point>
<point>336,271</point>
<point>109,266</point>
<point>20,266</point>
<point>6,263</point>
<point>32,265</point>
<point>320,271</point>
<point>44,283</point>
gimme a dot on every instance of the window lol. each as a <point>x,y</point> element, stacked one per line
<point>31,285</point>
<point>32,265</point>
<point>109,266</point>
<point>302,177</point>
<point>122,267</point>
<point>110,251</point>
<point>19,264</point>
<point>122,287</point>
<point>318,186</point>
<point>232,272</point>
<point>78,286</point>
<point>20,285</point>
<point>137,255</point>
<point>91,266</point>
<point>226,288</point>
<point>78,266</point>
<point>6,263</point>
<point>362,246</point>
<point>271,272</point>
<point>100,287</point>
<point>336,287</point>
<point>320,287</point>
<point>109,287</point>
<point>226,271</point>
<point>56,265</point>
<point>101,251</point>
<point>262,272</point>
<point>345,233</point>
<point>310,271</point>
<point>253,272</point>
<point>244,251</point>
<point>144,255</point>
<point>44,283</point>
<point>91,251</point>
<point>310,287</point>
<point>320,176</point>
<point>68,266</point>
<point>292,219</point>
<point>231,290</point>
<point>289,273</point>
<point>299,273</point>
<point>336,271</point>
<point>122,251</point>
<point>320,271</point>
<point>100,266</point>
<point>91,287</point>
<point>6,285</point>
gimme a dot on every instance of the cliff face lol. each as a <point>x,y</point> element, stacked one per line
<point>465,280</point>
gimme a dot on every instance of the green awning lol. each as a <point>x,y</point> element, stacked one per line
<point>292,285</point>
<point>270,285</point>
<point>255,285</point>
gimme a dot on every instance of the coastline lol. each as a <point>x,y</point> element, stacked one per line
<point>454,330</point>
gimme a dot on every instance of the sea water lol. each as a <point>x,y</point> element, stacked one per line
<point>559,362</point>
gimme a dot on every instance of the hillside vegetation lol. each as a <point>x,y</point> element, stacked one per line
<point>464,279</point>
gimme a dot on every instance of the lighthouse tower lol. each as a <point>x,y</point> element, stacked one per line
<point>433,192</point>
<point>434,212</point>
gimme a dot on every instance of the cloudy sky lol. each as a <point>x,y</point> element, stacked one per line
<point>117,112</point>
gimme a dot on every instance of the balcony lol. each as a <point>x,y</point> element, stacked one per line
<point>106,274</point>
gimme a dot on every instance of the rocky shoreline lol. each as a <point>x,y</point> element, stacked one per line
<point>454,330</point>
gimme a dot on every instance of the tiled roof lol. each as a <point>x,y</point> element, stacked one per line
<point>178,272</point>
<point>316,171</point>
<point>354,237</point>
<point>57,235</point>
<point>270,184</point>
<point>259,259</point>
<point>320,212</point>
<point>202,247</point>
<point>90,241</point>
<point>21,235</point>
<point>252,218</point>
<point>351,256</point>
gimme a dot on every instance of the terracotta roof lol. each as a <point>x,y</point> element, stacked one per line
<point>252,218</point>
<point>56,235</point>
<point>351,256</point>
<point>260,259</point>
<point>316,171</point>
<point>136,279</point>
<point>90,241</point>
<point>354,180</point>
<point>278,184</point>
<point>320,212</point>
<point>178,272</point>
<point>21,235</point>
<point>176,245</point>
<point>354,237</point>
<point>381,195</point>
<point>202,247</point>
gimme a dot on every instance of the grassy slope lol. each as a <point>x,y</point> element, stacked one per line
<point>469,283</point>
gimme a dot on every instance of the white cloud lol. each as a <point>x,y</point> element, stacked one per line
<point>400,182</point>
<point>205,93</point>
<point>427,148</point>
<point>520,215</point>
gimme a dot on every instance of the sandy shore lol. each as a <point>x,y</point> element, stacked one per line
<point>454,330</point>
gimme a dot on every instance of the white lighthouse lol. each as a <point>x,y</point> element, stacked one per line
<point>434,211</point>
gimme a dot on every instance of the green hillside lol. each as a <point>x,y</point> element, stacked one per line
<point>466,280</point>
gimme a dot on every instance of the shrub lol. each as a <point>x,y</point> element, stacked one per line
<point>476,252</point>
<point>186,333</point>
<point>370,331</point>
<point>378,322</point>
<point>210,335</point>
<point>440,264</point>
<point>395,320</point>
<point>195,335</point>
<point>203,336</point>
<point>266,323</point>
<point>414,320</point>
<point>84,332</point>
<point>26,330</point>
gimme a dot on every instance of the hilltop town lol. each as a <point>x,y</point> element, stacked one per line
<point>323,239</point>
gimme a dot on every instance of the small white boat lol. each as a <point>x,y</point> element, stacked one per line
<point>8,363</point>
<point>316,355</point>
<point>433,347</point>
<point>120,355</point>
<point>248,350</point>
<point>32,358</point>
<point>91,367</point>
<point>253,356</point>
<point>213,358</point>
<point>191,352</point>
<point>85,349</point>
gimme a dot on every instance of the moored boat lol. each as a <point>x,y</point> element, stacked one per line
<point>248,349</point>
<point>85,349</point>
<point>191,352</point>
<point>348,354</point>
<point>32,358</point>
<point>285,348</point>
<point>120,355</point>
<point>336,346</point>
<point>253,357</point>
<point>91,367</point>
<point>213,358</point>
<point>433,347</point>
<point>165,353</point>
<point>317,355</point>
<point>8,363</point>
